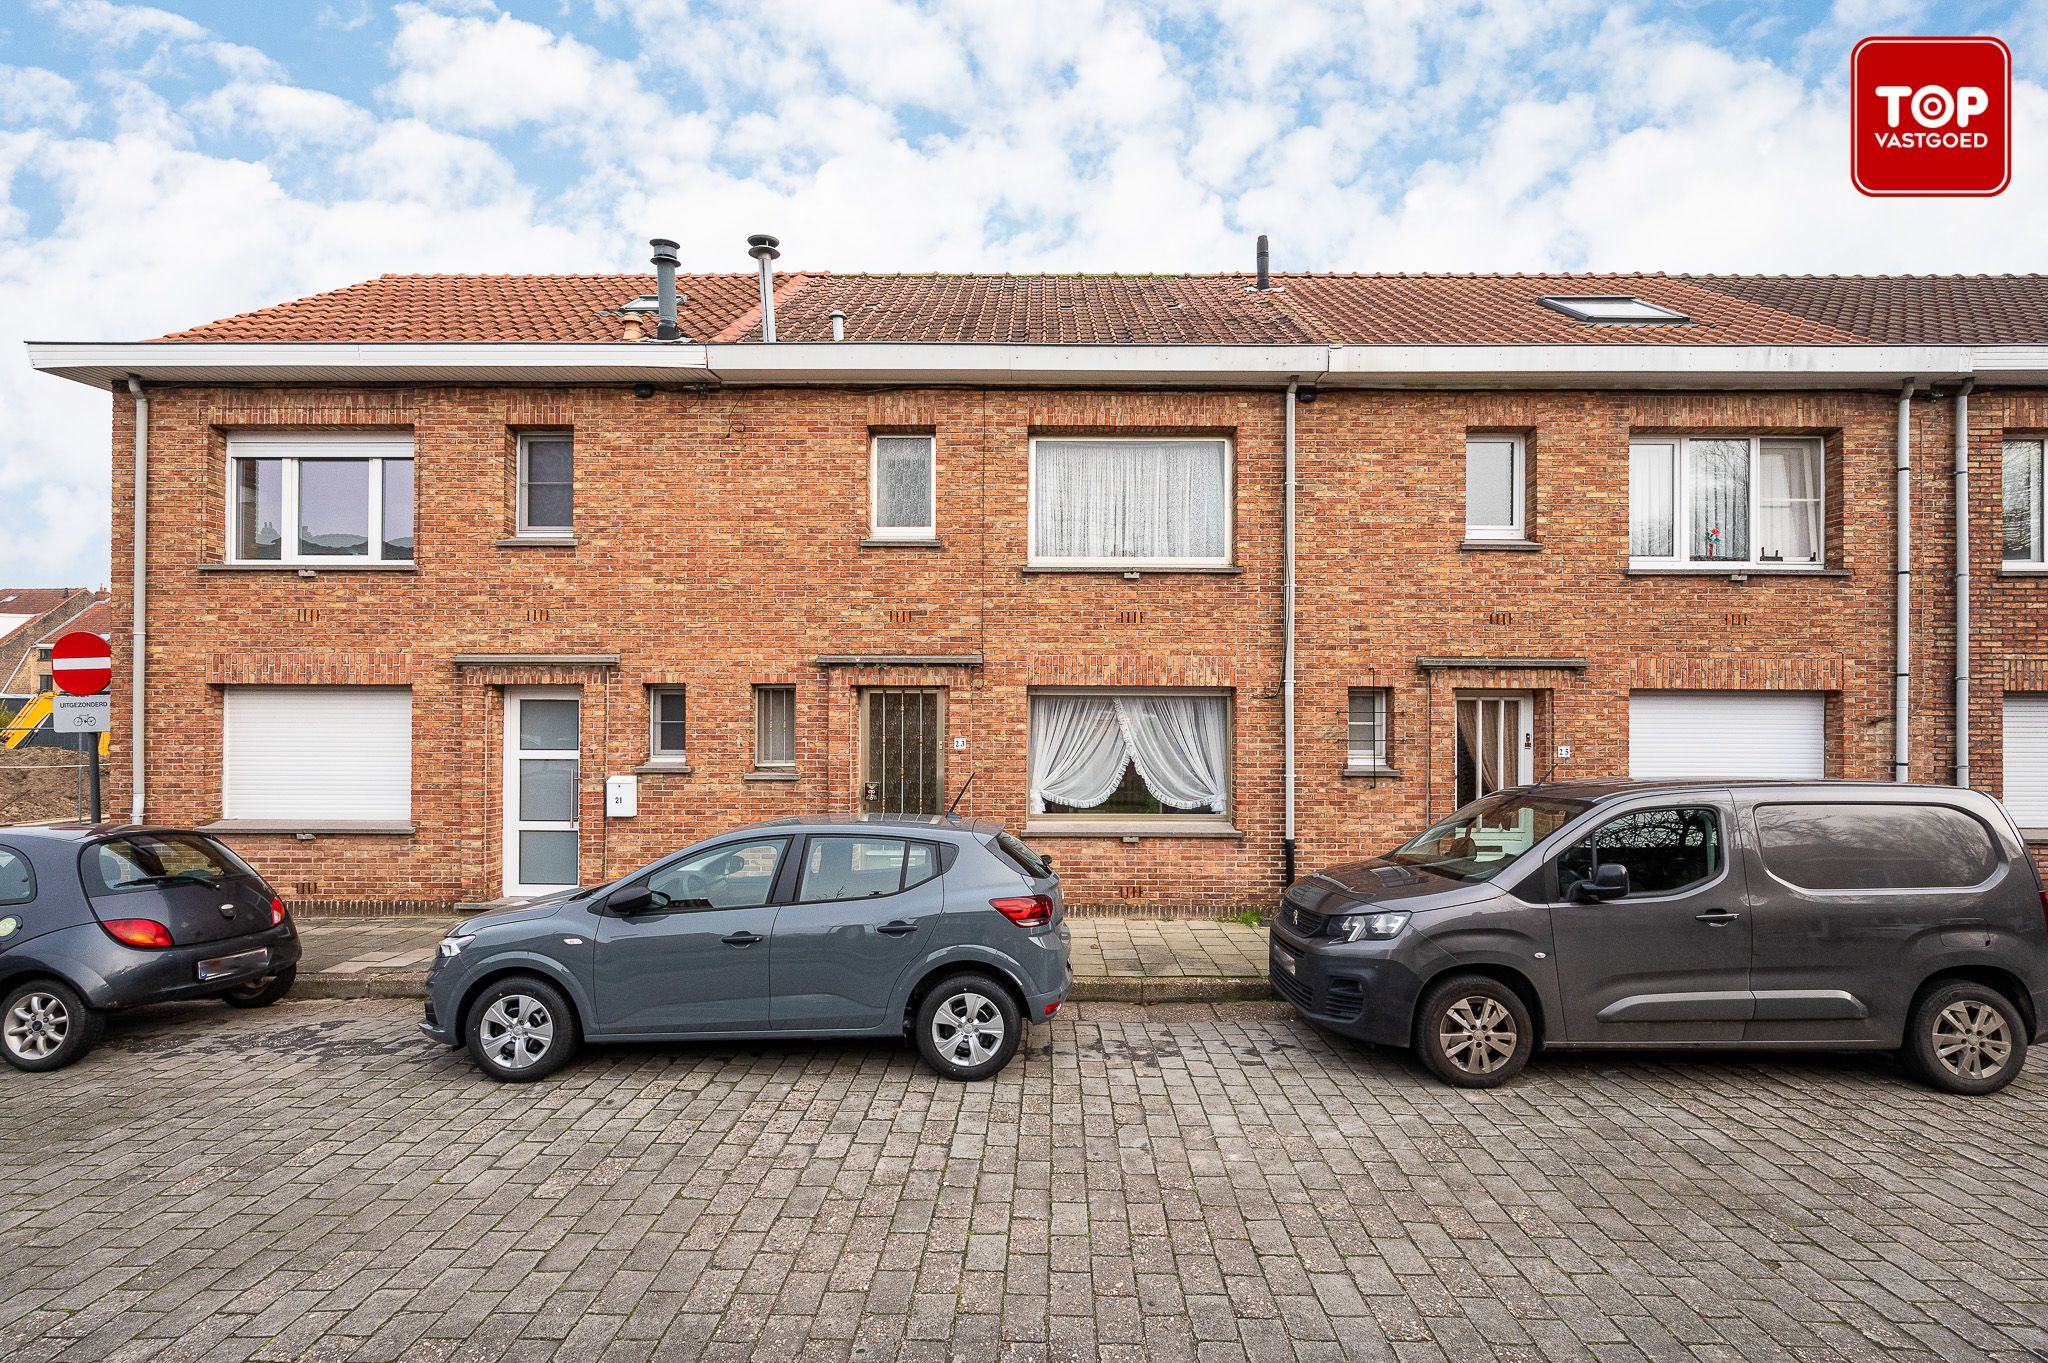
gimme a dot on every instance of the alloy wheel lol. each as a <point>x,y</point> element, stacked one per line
<point>1478,1034</point>
<point>37,1025</point>
<point>1971,1039</point>
<point>516,1031</point>
<point>967,1029</point>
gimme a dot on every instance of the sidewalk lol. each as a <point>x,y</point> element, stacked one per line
<point>1116,960</point>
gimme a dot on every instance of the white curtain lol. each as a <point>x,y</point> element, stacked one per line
<point>1652,486</point>
<point>1717,481</point>
<point>1130,499</point>
<point>1080,746</point>
<point>1788,502</point>
<point>2023,468</point>
<point>1490,484</point>
<point>903,482</point>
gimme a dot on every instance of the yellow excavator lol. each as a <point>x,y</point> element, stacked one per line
<point>30,725</point>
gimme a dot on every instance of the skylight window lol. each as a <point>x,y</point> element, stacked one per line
<point>1612,308</point>
<point>646,302</point>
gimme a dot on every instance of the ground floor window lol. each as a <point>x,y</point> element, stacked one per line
<point>1130,753</point>
<point>2026,759</point>
<point>317,753</point>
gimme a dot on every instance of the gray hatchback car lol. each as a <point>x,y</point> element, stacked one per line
<point>948,928</point>
<point>1823,916</point>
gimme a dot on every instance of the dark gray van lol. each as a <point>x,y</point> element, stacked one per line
<point>1821,916</point>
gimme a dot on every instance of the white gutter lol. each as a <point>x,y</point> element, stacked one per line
<point>1962,514</point>
<point>138,601</point>
<point>1287,644</point>
<point>1902,624</point>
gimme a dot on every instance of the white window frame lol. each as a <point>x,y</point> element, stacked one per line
<point>1681,506</point>
<point>1165,817</point>
<point>522,526</point>
<point>1382,758</point>
<point>876,530</point>
<point>779,764</point>
<point>1518,496</point>
<point>1034,559</point>
<point>655,695</point>
<point>2040,507</point>
<point>292,448</point>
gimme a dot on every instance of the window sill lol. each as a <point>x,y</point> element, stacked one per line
<point>2035,837</point>
<point>1368,772</point>
<point>771,774</point>
<point>1734,571</point>
<point>1129,828</point>
<point>1512,546</point>
<point>536,542</point>
<point>397,827</point>
<point>2023,570</point>
<point>909,542</point>
<point>1134,570</point>
<point>309,568</point>
<point>660,767</point>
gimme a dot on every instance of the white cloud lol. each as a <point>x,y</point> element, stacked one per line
<point>29,94</point>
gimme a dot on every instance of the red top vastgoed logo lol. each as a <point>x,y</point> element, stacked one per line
<point>1930,117</point>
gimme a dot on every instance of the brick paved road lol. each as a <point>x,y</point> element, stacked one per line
<point>318,1183</point>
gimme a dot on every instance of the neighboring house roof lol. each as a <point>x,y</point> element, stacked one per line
<point>55,608</point>
<point>98,618</point>
<point>1342,309</point>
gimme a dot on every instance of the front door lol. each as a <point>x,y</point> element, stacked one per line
<point>866,907</point>
<point>542,777</point>
<point>1670,962</point>
<point>903,761</point>
<point>697,959</point>
<point>1494,752</point>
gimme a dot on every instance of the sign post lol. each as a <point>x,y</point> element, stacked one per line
<point>82,666</point>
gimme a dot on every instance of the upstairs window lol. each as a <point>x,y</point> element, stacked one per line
<point>1493,487</point>
<point>2023,504</point>
<point>1130,503</point>
<point>903,487</point>
<point>547,466</point>
<point>319,499</point>
<point>1740,501</point>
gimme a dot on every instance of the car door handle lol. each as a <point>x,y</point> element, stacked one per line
<point>898,928</point>
<point>741,939</point>
<point>1717,918</point>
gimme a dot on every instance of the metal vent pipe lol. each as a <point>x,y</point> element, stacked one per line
<point>665,326</point>
<point>762,248</point>
<point>1265,266</point>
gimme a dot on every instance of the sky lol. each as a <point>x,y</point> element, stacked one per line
<point>164,165</point>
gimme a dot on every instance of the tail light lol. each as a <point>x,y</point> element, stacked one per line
<point>276,911</point>
<point>139,932</point>
<point>2044,908</point>
<point>1025,910</point>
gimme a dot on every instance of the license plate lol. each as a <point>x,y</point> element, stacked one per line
<point>241,963</point>
<point>1284,961</point>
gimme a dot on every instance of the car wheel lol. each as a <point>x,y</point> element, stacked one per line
<point>968,1027</point>
<point>521,1029</point>
<point>45,1025</point>
<point>1474,1032</point>
<point>263,991</point>
<point>1967,1038</point>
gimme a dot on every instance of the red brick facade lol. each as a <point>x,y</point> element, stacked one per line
<point>718,546</point>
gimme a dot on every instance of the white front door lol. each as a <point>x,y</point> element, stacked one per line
<point>542,777</point>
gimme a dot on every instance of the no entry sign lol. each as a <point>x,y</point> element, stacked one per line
<point>81,663</point>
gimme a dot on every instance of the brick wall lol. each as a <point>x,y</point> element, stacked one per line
<point>718,547</point>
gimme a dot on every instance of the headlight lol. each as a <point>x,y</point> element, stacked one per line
<point>1369,927</point>
<point>453,944</point>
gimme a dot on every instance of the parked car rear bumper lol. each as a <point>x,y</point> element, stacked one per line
<point>112,975</point>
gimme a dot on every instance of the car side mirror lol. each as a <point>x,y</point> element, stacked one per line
<point>1610,881</point>
<point>635,899</point>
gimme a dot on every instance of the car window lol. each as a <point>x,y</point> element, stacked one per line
<point>1665,850</point>
<point>1019,851</point>
<point>733,875</point>
<point>860,867</point>
<point>150,861</point>
<point>1874,847</point>
<point>17,881</point>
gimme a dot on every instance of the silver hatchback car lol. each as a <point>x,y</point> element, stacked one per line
<point>950,929</point>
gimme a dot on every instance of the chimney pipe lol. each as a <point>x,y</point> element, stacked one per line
<point>1265,272</point>
<point>762,248</point>
<point>838,324</point>
<point>665,328</point>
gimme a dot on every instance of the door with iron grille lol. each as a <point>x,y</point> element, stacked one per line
<point>903,743</point>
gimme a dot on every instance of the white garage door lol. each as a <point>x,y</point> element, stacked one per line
<point>1751,735</point>
<point>2026,759</point>
<point>317,752</point>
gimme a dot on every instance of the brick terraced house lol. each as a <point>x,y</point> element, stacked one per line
<point>451,588</point>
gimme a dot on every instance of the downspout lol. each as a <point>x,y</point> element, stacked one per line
<point>1902,624</point>
<point>138,600</point>
<point>1962,513</point>
<point>1287,646</point>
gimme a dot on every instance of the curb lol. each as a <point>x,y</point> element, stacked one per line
<point>405,984</point>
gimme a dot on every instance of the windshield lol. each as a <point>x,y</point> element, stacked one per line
<point>1479,841</point>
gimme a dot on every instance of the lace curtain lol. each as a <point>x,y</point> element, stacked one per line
<point>1080,746</point>
<point>1652,488</point>
<point>1130,499</point>
<point>1788,525</point>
